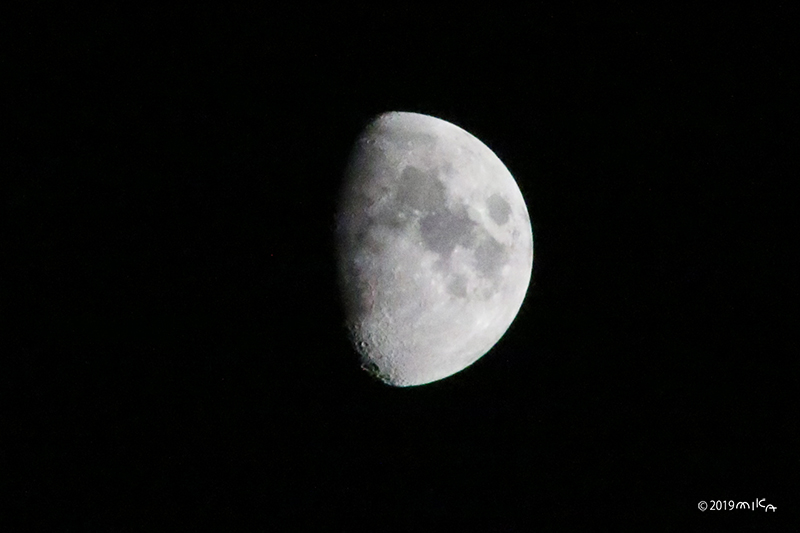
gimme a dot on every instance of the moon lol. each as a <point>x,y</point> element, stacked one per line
<point>434,248</point>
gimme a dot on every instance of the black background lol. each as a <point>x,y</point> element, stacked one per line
<point>169,309</point>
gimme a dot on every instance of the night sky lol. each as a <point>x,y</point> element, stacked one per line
<point>171,323</point>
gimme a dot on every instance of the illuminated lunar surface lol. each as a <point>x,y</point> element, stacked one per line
<point>434,248</point>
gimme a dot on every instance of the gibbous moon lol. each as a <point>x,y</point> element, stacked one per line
<point>434,248</point>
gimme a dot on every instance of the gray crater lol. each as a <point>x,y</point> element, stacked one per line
<point>458,286</point>
<point>420,190</point>
<point>499,209</point>
<point>442,231</point>
<point>490,256</point>
<point>420,198</point>
<point>391,218</point>
<point>421,195</point>
<point>417,192</point>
